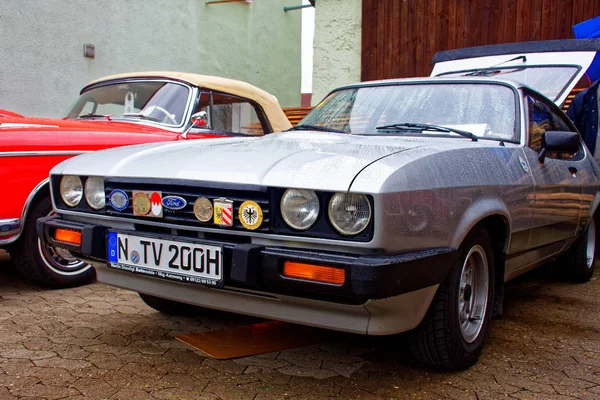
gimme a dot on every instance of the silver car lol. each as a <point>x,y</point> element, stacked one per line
<point>393,206</point>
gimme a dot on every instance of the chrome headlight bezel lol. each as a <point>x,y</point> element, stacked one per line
<point>345,198</point>
<point>313,215</point>
<point>71,190</point>
<point>95,195</point>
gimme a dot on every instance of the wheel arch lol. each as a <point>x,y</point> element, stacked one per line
<point>498,229</point>
<point>492,213</point>
<point>492,216</point>
<point>41,190</point>
<point>594,209</point>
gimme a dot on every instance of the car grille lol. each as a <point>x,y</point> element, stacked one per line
<point>185,216</point>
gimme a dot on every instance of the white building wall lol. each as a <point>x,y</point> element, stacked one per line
<point>337,45</point>
<point>42,67</point>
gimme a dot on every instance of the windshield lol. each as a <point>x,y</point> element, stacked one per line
<point>160,102</point>
<point>549,80</point>
<point>486,110</point>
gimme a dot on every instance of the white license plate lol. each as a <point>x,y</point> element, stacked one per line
<point>169,259</point>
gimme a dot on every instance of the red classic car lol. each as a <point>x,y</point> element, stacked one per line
<point>114,111</point>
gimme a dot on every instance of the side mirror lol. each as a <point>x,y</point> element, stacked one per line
<point>199,118</point>
<point>559,142</point>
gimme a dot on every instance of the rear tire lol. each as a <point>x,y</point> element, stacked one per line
<point>170,307</point>
<point>452,334</point>
<point>580,258</point>
<point>44,265</point>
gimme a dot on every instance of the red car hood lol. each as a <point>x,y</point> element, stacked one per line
<point>8,123</point>
<point>46,134</point>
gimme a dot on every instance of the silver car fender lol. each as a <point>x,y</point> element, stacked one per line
<point>477,212</point>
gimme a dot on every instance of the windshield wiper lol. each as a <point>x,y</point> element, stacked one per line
<point>314,128</point>
<point>409,126</point>
<point>91,115</point>
<point>141,116</point>
<point>484,72</point>
<point>495,71</point>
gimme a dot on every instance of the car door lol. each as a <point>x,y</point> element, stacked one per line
<point>558,180</point>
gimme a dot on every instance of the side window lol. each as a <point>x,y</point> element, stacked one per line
<point>226,113</point>
<point>541,119</point>
<point>234,114</point>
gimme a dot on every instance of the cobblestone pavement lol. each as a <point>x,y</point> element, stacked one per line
<point>98,342</point>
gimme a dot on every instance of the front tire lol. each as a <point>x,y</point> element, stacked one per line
<point>44,265</point>
<point>452,334</point>
<point>170,307</point>
<point>580,258</point>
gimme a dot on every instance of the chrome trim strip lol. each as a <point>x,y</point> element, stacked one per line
<point>25,125</point>
<point>25,212</point>
<point>43,153</point>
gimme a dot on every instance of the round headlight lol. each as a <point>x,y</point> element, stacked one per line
<point>349,213</point>
<point>71,190</point>
<point>299,208</point>
<point>94,192</point>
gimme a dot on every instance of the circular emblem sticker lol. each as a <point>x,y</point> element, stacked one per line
<point>251,215</point>
<point>141,204</point>
<point>118,199</point>
<point>203,209</point>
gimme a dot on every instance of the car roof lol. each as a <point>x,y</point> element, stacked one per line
<point>267,101</point>
<point>401,81</point>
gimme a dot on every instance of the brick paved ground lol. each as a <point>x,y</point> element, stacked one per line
<point>98,342</point>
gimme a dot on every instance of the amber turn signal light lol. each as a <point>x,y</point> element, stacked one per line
<point>67,236</point>
<point>318,273</point>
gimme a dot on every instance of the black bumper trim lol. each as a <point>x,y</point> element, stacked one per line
<point>90,235</point>
<point>259,268</point>
<point>380,276</point>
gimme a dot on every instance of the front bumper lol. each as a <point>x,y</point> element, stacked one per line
<point>9,228</point>
<point>259,268</point>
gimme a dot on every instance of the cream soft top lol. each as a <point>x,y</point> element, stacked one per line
<point>267,101</point>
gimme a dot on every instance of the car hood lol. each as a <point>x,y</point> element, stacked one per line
<point>315,160</point>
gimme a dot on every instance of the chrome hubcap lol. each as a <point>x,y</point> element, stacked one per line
<point>591,244</point>
<point>60,259</point>
<point>473,293</point>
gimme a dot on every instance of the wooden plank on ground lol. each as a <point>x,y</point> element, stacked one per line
<point>249,340</point>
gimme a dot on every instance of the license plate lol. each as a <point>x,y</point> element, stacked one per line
<point>168,259</point>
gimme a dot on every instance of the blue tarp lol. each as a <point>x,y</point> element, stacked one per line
<point>590,29</point>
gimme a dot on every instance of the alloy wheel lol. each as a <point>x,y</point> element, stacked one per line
<point>473,293</point>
